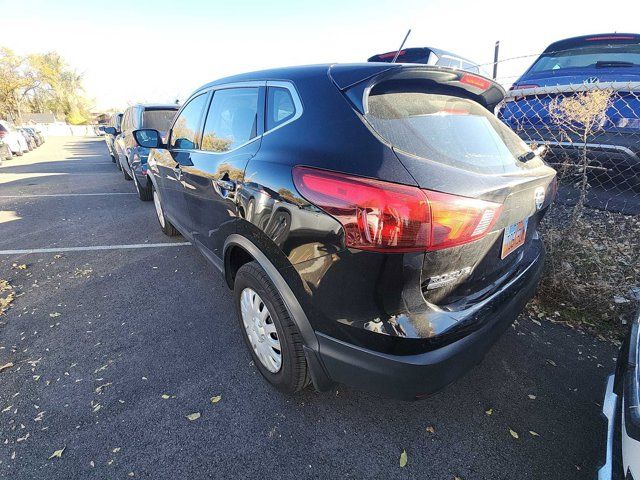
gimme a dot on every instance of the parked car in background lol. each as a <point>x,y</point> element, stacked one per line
<point>393,232</point>
<point>29,137</point>
<point>110,134</point>
<point>602,61</point>
<point>16,141</point>
<point>621,407</point>
<point>428,56</point>
<point>132,158</point>
<point>37,136</point>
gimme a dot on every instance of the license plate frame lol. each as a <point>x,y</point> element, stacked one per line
<point>514,237</point>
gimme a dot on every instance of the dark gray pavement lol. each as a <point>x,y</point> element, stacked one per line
<point>98,337</point>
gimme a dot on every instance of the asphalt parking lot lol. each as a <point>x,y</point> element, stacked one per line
<point>97,337</point>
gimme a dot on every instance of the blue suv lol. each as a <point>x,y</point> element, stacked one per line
<point>605,60</point>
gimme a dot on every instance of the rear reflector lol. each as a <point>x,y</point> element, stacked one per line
<point>389,217</point>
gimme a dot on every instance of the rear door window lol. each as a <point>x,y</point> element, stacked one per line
<point>446,129</point>
<point>184,133</point>
<point>232,119</point>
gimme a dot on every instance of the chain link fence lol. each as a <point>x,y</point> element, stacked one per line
<point>590,133</point>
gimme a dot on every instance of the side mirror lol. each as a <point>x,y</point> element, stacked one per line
<point>148,138</point>
<point>110,131</point>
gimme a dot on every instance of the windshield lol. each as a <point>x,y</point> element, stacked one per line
<point>592,56</point>
<point>446,129</point>
<point>158,119</point>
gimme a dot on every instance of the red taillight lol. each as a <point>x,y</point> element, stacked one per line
<point>609,37</point>
<point>2,133</point>
<point>475,81</point>
<point>456,220</point>
<point>392,54</point>
<point>384,216</point>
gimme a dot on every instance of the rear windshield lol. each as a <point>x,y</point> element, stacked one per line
<point>447,129</point>
<point>592,56</point>
<point>158,119</point>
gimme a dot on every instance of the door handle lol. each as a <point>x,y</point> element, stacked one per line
<point>226,185</point>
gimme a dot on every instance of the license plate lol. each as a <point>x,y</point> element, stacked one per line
<point>514,236</point>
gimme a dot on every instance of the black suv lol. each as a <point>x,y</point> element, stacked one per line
<point>376,222</point>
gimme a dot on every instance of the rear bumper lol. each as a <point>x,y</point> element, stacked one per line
<point>409,377</point>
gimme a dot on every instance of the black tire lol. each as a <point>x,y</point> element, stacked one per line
<point>118,164</point>
<point>113,158</point>
<point>144,193</point>
<point>293,374</point>
<point>165,225</point>
<point>19,153</point>
<point>8,154</point>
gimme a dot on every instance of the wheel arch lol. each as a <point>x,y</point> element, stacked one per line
<point>237,243</point>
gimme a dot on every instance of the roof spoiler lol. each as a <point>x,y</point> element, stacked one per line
<point>356,82</point>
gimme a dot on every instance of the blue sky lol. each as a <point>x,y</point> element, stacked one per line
<point>162,50</point>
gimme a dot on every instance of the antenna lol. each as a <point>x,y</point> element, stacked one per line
<point>401,45</point>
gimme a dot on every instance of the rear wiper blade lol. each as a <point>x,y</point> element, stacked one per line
<point>613,63</point>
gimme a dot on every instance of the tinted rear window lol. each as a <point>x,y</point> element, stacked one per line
<point>446,129</point>
<point>158,119</point>
<point>592,56</point>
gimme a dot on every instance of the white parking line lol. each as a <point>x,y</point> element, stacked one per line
<point>93,248</point>
<point>67,194</point>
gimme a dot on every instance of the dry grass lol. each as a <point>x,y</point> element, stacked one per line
<point>592,276</point>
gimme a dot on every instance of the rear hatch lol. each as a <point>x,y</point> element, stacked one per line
<point>439,125</point>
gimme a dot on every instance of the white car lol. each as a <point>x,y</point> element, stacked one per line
<point>12,137</point>
<point>622,409</point>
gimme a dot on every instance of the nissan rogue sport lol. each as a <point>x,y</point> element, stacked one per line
<point>376,222</point>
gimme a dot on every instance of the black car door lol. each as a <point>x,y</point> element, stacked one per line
<point>231,136</point>
<point>170,163</point>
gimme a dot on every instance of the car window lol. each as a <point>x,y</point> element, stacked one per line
<point>184,132</point>
<point>446,129</point>
<point>592,56</point>
<point>158,119</point>
<point>232,119</point>
<point>280,106</point>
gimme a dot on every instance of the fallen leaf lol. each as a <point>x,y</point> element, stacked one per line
<point>532,397</point>
<point>430,429</point>
<point>19,267</point>
<point>216,399</point>
<point>6,366</point>
<point>92,463</point>
<point>533,433</point>
<point>116,450</point>
<point>489,412</point>
<point>193,416</point>
<point>57,453</point>
<point>165,396</point>
<point>54,314</point>
<point>403,459</point>
<point>551,362</point>
<point>514,434</point>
